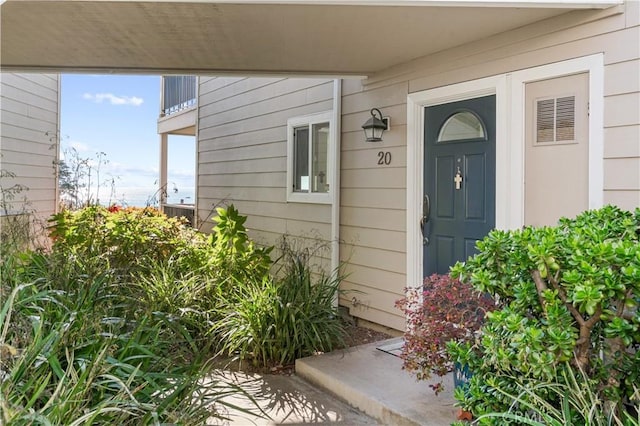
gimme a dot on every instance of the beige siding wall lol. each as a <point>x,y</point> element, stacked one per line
<point>242,153</point>
<point>242,142</point>
<point>373,218</point>
<point>29,110</point>
<point>373,203</point>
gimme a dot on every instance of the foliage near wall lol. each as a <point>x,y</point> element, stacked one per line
<point>570,297</point>
<point>116,322</point>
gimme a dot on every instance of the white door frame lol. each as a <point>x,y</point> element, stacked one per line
<point>509,91</point>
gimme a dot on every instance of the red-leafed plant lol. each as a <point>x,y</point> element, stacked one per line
<point>441,311</point>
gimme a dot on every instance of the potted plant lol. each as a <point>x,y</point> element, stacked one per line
<point>442,310</point>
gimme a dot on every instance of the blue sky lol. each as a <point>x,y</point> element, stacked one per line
<point>117,115</point>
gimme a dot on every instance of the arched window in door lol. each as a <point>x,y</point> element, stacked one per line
<point>462,125</point>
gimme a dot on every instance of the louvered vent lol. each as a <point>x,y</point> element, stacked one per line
<point>555,119</point>
<point>565,118</point>
<point>545,121</point>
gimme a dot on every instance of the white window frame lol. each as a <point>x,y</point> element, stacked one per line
<point>309,120</point>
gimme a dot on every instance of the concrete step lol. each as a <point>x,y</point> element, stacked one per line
<point>374,382</point>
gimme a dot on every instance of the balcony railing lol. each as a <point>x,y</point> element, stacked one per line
<point>178,93</point>
<point>180,210</point>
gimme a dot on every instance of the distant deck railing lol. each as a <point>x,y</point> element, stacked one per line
<point>180,210</point>
<point>178,93</point>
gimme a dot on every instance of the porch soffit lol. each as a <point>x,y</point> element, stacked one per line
<point>295,37</point>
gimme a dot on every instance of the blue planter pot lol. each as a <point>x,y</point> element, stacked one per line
<point>461,376</point>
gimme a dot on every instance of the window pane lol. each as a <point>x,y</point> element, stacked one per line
<point>461,126</point>
<point>301,159</point>
<point>319,160</point>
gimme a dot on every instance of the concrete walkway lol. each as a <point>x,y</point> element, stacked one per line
<point>284,400</point>
<point>373,381</point>
<point>358,386</point>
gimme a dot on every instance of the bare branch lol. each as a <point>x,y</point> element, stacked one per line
<point>541,286</point>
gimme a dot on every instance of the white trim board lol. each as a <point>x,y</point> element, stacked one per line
<point>509,91</point>
<point>555,4</point>
<point>594,65</point>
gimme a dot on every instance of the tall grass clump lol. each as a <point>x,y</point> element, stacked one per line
<point>579,404</point>
<point>86,338</point>
<point>280,317</point>
<point>116,321</point>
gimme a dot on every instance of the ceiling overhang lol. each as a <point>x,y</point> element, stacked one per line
<point>296,37</point>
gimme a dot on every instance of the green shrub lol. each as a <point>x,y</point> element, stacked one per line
<point>125,239</point>
<point>234,254</point>
<point>570,294</point>
<point>107,327</point>
<point>274,320</point>
<point>66,359</point>
<point>578,404</point>
<point>118,318</point>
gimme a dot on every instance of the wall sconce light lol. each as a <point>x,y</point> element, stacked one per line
<point>375,126</point>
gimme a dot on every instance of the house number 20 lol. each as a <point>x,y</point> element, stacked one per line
<point>384,158</point>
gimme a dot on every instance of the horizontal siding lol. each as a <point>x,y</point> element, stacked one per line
<point>28,125</point>
<point>271,91</point>
<point>622,174</point>
<point>354,236</point>
<point>384,177</point>
<point>373,214</point>
<point>26,110</point>
<point>266,150</point>
<point>622,142</point>
<point>622,110</point>
<point>11,90</point>
<point>242,153</point>
<point>14,159</point>
<point>375,198</point>
<point>242,143</point>
<point>622,77</point>
<point>366,158</point>
<point>628,200</point>
<point>264,121</point>
<point>269,179</point>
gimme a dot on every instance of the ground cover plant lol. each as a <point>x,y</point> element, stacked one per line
<point>577,404</point>
<point>569,298</point>
<point>114,324</point>
<point>79,347</point>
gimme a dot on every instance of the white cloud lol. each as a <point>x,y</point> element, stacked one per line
<point>181,173</point>
<point>113,99</point>
<point>78,146</point>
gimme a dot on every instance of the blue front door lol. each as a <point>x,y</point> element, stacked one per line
<point>459,180</point>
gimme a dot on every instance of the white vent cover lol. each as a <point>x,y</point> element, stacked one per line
<point>555,119</point>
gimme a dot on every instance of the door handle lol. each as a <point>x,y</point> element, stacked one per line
<point>426,212</point>
<point>426,209</point>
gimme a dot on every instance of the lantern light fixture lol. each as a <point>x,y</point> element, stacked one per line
<point>375,126</point>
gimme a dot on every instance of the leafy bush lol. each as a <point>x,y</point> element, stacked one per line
<point>110,326</point>
<point>125,238</point>
<point>442,310</point>
<point>274,320</point>
<point>578,404</point>
<point>69,357</point>
<point>234,254</point>
<point>114,323</point>
<point>569,295</point>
